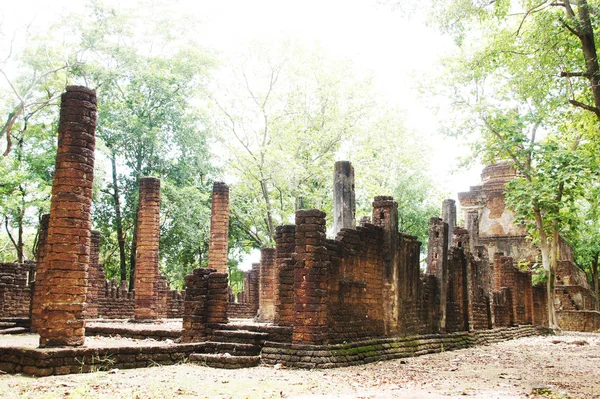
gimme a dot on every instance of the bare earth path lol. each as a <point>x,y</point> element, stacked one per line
<point>566,366</point>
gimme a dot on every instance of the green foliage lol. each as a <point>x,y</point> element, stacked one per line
<point>286,115</point>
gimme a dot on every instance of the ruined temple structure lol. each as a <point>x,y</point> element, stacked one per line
<point>495,234</point>
<point>313,301</point>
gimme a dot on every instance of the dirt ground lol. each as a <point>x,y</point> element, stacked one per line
<point>565,366</point>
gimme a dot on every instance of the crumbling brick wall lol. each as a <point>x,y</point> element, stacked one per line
<point>457,299</point>
<point>355,284</point>
<point>116,302</point>
<point>413,312</point>
<point>15,292</point>
<point>503,308</point>
<point>540,305</point>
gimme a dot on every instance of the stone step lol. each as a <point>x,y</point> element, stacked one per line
<point>224,361</point>
<point>276,333</point>
<point>7,324</point>
<point>232,348</point>
<point>240,336</point>
<point>14,330</point>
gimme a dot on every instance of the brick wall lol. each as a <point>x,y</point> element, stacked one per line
<point>355,284</point>
<point>115,302</point>
<point>15,292</point>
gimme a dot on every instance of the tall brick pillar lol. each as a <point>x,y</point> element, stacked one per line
<point>344,202</point>
<point>285,246</point>
<point>38,279</point>
<point>437,264</point>
<point>146,272</point>
<point>219,228</point>
<point>266,301</point>
<point>96,279</point>
<point>310,279</point>
<point>64,267</point>
<point>385,215</point>
<point>449,216</point>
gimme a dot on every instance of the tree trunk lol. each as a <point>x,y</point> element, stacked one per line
<point>546,249</point>
<point>265,191</point>
<point>552,321</point>
<point>595,273</point>
<point>119,221</point>
<point>588,45</point>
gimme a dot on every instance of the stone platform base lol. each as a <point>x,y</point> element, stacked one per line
<point>342,355</point>
<point>579,320</point>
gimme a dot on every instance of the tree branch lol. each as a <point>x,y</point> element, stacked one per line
<point>586,107</point>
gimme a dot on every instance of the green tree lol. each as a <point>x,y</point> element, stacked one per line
<point>147,126</point>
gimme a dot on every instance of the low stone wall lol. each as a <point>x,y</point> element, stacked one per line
<point>58,361</point>
<point>579,320</point>
<point>368,351</point>
<point>124,332</point>
<point>238,310</point>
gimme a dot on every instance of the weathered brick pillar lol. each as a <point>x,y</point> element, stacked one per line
<point>194,306</point>
<point>437,264</point>
<point>219,228</point>
<point>385,215</point>
<point>285,246</point>
<point>449,216</point>
<point>96,280</point>
<point>64,267</point>
<point>505,277</point>
<point>217,298</point>
<point>38,279</point>
<point>266,301</point>
<point>253,285</point>
<point>344,201</point>
<point>310,279</point>
<point>146,272</point>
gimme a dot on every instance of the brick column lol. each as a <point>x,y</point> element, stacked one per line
<point>266,301</point>
<point>385,215</point>
<point>36,298</point>
<point>146,265</point>
<point>310,279</point>
<point>219,228</point>
<point>285,246</point>
<point>437,264</point>
<point>449,216</point>
<point>344,202</point>
<point>64,267</point>
<point>96,281</point>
